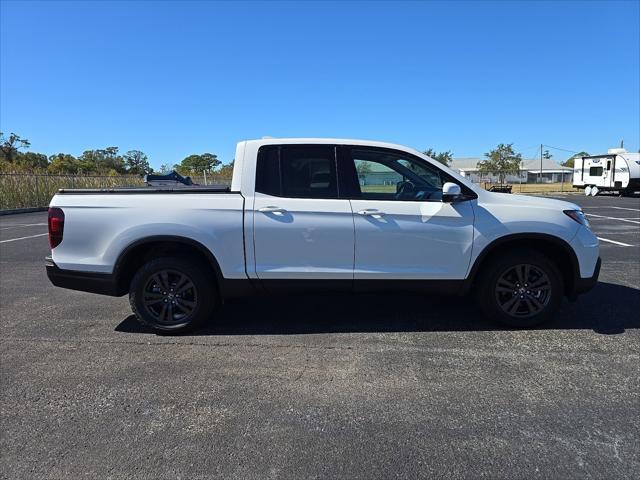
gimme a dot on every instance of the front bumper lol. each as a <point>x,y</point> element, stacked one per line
<point>101,283</point>
<point>583,285</point>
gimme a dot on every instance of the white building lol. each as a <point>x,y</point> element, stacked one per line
<point>530,171</point>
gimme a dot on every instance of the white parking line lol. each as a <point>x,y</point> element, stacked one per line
<point>612,218</point>
<point>617,208</point>
<point>7,227</point>
<point>23,238</point>
<point>613,241</point>
<point>625,208</point>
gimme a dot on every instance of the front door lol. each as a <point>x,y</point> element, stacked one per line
<point>403,230</point>
<point>302,230</point>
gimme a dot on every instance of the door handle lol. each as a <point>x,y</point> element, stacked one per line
<point>272,209</point>
<point>371,212</point>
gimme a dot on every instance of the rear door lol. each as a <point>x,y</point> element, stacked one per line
<point>403,230</point>
<point>302,230</point>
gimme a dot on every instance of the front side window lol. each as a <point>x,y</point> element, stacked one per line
<point>390,175</point>
<point>595,171</point>
<point>297,171</point>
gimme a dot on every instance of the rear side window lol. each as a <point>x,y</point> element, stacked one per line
<point>297,171</point>
<point>595,171</point>
<point>268,171</point>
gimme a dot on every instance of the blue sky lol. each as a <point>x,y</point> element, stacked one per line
<point>175,78</point>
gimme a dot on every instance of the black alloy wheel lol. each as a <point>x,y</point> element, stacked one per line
<point>170,297</point>
<point>172,294</point>
<point>519,288</point>
<point>523,291</point>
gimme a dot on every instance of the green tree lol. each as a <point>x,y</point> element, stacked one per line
<point>363,167</point>
<point>443,157</point>
<point>198,164</point>
<point>569,161</point>
<point>108,159</point>
<point>226,171</point>
<point>89,160</point>
<point>9,146</point>
<point>102,161</point>
<point>63,163</point>
<point>33,160</point>
<point>500,161</point>
<point>137,162</point>
<point>165,168</point>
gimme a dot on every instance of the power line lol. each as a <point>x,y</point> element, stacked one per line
<point>524,149</point>
<point>562,149</point>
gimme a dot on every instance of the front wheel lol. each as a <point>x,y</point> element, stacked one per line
<point>172,294</point>
<point>522,288</point>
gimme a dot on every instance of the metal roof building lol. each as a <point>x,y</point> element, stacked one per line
<point>530,171</point>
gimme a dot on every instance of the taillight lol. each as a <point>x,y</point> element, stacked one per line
<point>56,226</point>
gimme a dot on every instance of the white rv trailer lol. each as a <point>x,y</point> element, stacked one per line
<point>617,170</point>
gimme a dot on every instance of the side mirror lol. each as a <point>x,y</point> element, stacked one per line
<point>451,192</point>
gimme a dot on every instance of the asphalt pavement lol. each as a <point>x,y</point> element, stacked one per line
<point>372,386</point>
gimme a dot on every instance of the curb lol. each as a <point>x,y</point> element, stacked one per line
<point>13,211</point>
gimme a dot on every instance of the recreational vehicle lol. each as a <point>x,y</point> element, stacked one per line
<point>617,170</point>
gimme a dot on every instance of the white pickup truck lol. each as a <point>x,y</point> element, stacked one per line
<point>309,214</point>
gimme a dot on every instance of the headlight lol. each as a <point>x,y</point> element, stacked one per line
<point>578,216</point>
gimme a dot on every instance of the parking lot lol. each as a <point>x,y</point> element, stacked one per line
<point>324,387</point>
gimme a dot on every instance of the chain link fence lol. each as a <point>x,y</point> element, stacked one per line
<point>21,190</point>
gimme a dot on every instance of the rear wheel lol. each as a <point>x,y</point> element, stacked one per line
<point>172,294</point>
<point>523,288</point>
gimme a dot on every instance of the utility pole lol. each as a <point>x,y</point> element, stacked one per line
<point>540,176</point>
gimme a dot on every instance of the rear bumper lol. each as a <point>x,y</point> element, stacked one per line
<point>583,285</point>
<point>101,283</point>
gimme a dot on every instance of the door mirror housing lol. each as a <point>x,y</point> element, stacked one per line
<point>451,192</point>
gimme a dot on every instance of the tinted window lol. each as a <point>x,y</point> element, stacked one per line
<point>308,172</point>
<point>297,171</point>
<point>268,171</point>
<point>595,171</point>
<point>389,175</point>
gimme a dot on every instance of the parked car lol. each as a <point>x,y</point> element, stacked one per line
<point>296,218</point>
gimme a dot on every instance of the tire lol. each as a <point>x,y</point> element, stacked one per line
<point>172,294</point>
<point>504,297</point>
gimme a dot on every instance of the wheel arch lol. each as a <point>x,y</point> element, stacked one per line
<point>142,250</point>
<point>554,248</point>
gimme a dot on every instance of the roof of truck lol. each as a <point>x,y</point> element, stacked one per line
<point>255,144</point>
<point>339,141</point>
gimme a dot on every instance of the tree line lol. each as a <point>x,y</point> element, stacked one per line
<point>14,156</point>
